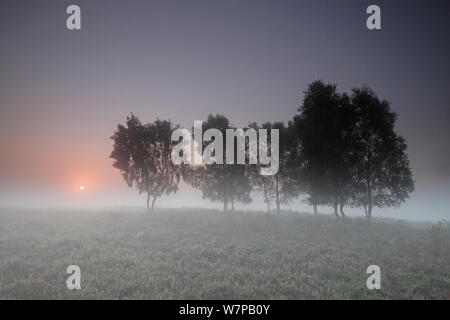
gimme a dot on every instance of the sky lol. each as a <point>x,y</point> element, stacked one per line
<point>62,93</point>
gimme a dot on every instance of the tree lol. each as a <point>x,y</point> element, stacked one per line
<point>324,158</point>
<point>142,154</point>
<point>383,177</point>
<point>275,188</point>
<point>228,183</point>
<point>266,184</point>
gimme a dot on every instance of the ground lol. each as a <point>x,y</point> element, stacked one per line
<point>206,254</point>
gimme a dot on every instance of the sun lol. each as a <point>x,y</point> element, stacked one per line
<point>81,188</point>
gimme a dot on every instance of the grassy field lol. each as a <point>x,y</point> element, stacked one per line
<point>205,254</point>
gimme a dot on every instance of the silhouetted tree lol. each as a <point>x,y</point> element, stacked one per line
<point>274,188</point>
<point>325,126</point>
<point>142,154</point>
<point>382,176</point>
<point>228,183</point>
<point>264,184</point>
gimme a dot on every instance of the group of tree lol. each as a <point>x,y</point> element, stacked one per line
<point>340,150</point>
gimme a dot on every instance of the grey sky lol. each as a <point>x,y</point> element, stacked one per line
<point>63,92</point>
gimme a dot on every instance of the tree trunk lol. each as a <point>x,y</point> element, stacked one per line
<point>232,205</point>
<point>266,197</point>
<point>369,187</point>
<point>341,208</point>
<point>336,210</point>
<point>315,207</point>
<point>369,202</point>
<point>148,202</point>
<point>225,205</point>
<point>277,199</point>
<point>153,204</point>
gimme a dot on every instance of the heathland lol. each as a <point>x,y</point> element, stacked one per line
<point>207,254</point>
